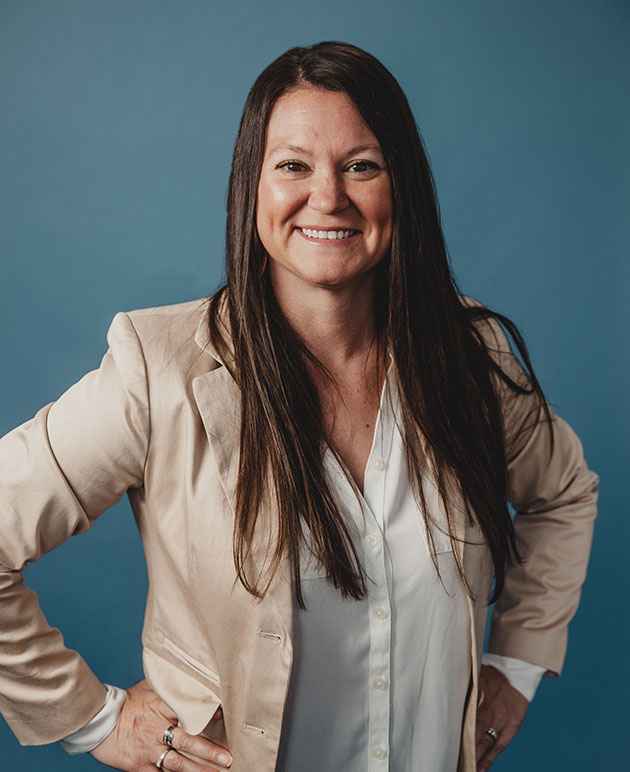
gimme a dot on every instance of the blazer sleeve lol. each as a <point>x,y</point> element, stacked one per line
<point>555,498</point>
<point>58,472</point>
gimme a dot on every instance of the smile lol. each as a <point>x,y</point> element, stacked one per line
<point>332,241</point>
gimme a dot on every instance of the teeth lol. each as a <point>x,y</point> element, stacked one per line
<point>328,234</point>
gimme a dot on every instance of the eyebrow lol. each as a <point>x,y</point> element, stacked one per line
<point>298,149</point>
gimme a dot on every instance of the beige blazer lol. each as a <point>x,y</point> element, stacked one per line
<point>159,419</point>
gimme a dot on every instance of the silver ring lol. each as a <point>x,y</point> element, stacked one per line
<point>493,733</point>
<point>160,761</point>
<point>167,737</point>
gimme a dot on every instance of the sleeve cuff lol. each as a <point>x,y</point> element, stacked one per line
<point>98,728</point>
<point>523,676</point>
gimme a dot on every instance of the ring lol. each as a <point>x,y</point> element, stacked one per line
<point>160,761</point>
<point>493,733</point>
<point>167,737</point>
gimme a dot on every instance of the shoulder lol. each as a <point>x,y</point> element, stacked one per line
<point>178,319</point>
<point>169,326</point>
<point>486,322</point>
<point>167,335</point>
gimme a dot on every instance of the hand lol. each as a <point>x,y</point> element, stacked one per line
<point>135,743</point>
<point>500,706</point>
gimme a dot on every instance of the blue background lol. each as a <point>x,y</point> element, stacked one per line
<point>118,121</point>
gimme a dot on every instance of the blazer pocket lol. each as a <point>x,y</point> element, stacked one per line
<point>193,692</point>
<point>193,663</point>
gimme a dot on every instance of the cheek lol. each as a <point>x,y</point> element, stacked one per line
<point>379,208</point>
<point>275,198</point>
<point>383,223</point>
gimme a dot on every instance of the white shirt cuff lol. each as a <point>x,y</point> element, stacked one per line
<point>98,728</point>
<point>523,676</point>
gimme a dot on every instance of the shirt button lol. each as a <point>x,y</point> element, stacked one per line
<point>372,539</point>
<point>379,753</point>
<point>381,612</point>
<point>379,683</point>
<point>379,464</point>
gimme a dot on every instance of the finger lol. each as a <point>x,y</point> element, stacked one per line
<point>491,714</point>
<point>484,749</point>
<point>485,742</point>
<point>201,748</point>
<point>177,762</point>
<point>491,754</point>
<point>488,751</point>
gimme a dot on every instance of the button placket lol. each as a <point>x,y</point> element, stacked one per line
<point>379,596</point>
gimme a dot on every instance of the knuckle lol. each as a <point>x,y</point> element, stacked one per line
<point>176,762</point>
<point>184,742</point>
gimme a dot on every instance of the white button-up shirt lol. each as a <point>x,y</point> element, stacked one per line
<point>377,684</point>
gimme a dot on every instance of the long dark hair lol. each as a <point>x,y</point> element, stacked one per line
<point>454,369</point>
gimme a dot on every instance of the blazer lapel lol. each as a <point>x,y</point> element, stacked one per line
<point>218,400</point>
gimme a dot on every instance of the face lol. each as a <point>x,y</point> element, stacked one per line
<point>322,168</point>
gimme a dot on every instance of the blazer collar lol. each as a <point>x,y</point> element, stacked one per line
<point>202,336</point>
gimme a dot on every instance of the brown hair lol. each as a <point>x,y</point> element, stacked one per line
<point>447,352</point>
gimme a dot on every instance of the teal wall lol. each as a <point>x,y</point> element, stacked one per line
<point>118,120</point>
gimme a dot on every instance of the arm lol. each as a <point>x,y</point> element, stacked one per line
<point>98,728</point>
<point>555,497</point>
<point>58,472</point>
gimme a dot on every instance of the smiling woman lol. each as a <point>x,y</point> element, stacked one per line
<point>327,189</point>
<point>338,423</point>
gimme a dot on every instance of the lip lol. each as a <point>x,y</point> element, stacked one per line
<point>334,243</point>
<point>317,228</point>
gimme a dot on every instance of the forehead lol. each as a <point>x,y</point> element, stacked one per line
<point>308,118</point>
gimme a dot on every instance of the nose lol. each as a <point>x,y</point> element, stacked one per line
<point>328,192</point>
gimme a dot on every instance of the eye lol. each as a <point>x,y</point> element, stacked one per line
<point>369,164</point>
<point>286,164</point>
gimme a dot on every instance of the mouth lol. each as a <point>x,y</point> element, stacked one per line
<point>333,240</point>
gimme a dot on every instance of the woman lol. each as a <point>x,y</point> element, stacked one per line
<point>338,420</point>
